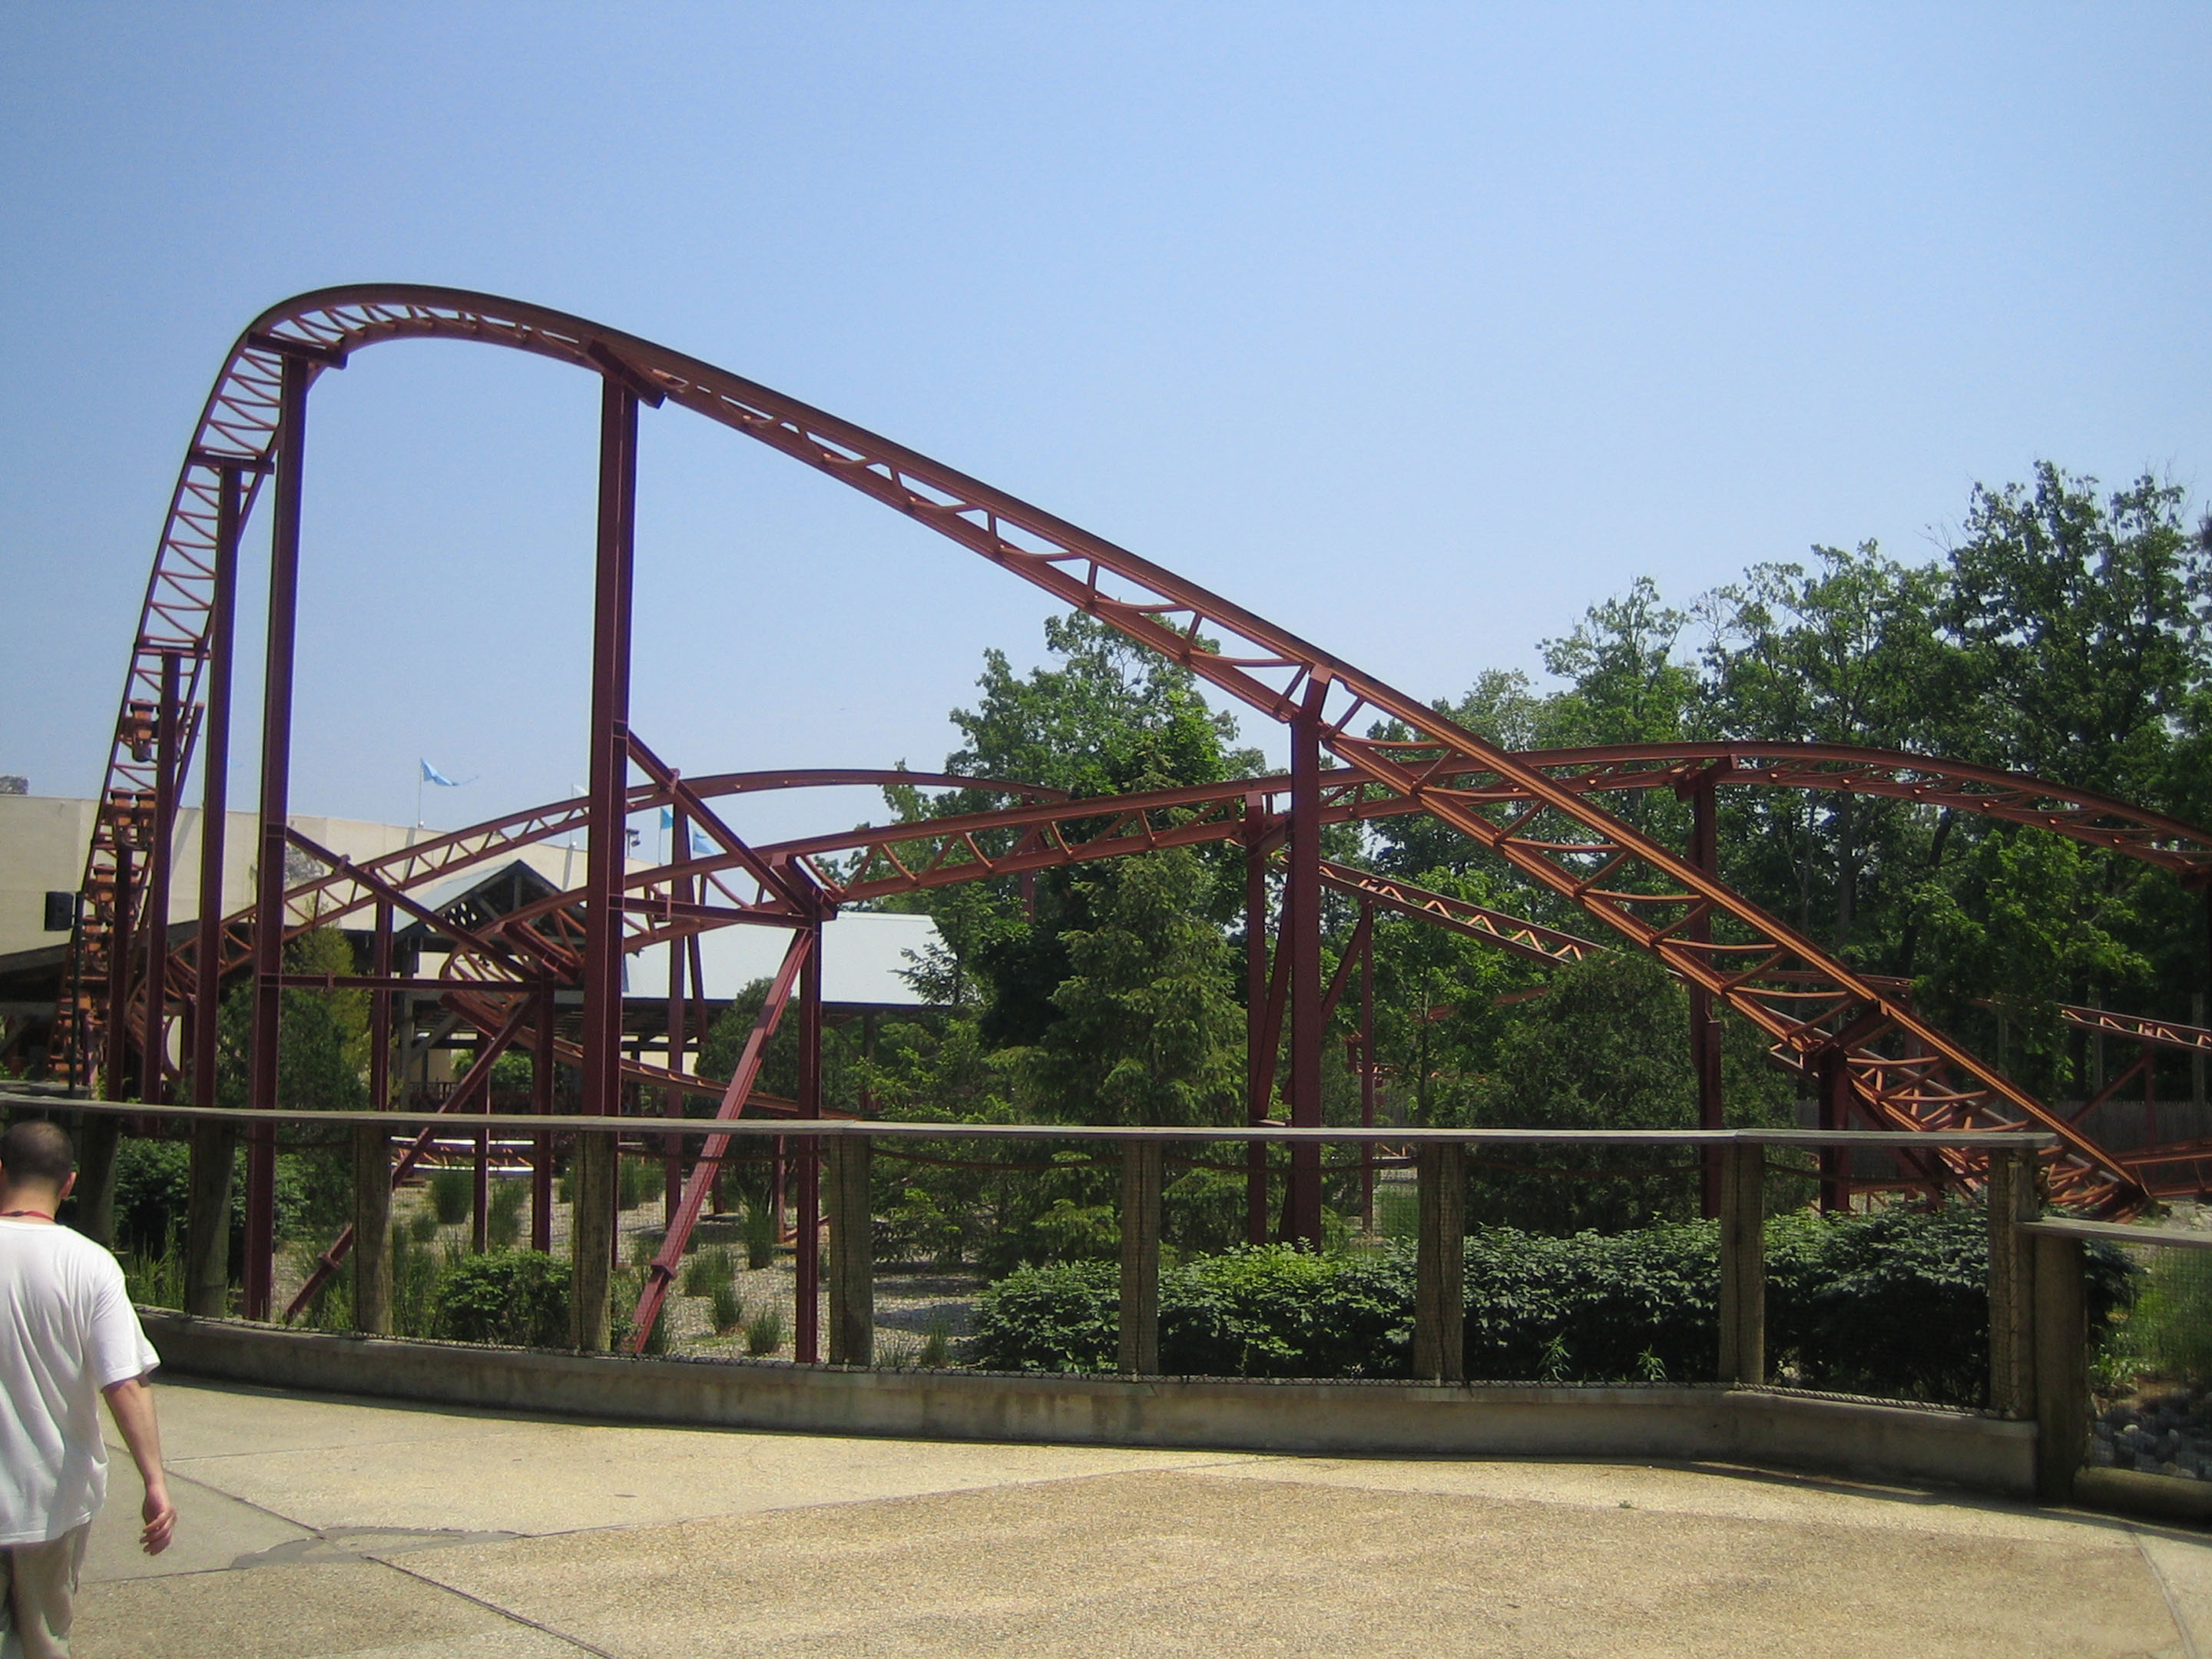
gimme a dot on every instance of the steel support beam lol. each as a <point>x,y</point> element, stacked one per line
<point>1704,1029</point>
<point>98,1139</point>
<point>606,847</point>
<point>671,1147</point>
<point>153,1043</point>
<point>1259,1053</point>
<point>806,1338</point>
<point>1302,941</point>
<point>275,806</point>
<point>541,1151</point>
<point>207,1215</point>
<point>1367,1067</point>
<point>1833,1074</point>
<point>121,938</point>
<point>607,840</point>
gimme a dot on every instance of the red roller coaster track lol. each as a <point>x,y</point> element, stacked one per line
<point>1538,813</point>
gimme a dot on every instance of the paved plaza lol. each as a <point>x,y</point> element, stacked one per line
<point>316,1526</point>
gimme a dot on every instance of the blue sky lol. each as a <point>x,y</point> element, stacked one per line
<point>1416,330</point>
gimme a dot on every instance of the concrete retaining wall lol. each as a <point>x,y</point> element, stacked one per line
<point>1746,1425</point>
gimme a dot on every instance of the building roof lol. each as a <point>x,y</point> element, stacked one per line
<point>862,954</point>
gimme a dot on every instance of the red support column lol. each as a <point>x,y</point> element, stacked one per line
<point>480,1189</point>
<point>1704,1029</point>
<point>1367,1064</point>
<point>115,1067</point>
<point>672,1146</point>
<point>808,1243</point>
<point>1259,1064</point>
<point>1302,939</point>
<point>541,1155</point>
<point>2150,1097</point>
<point>1835,1080</point>
<point>154,1044</point>
<point>215,789</point>
<point>379,1013</point>
<point>606,843</point>
<point>276,805</point>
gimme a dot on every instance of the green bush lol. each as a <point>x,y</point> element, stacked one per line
<point>1894,1304</point>
<point>517,1298</point>
<point>153,1192</point>
<point>764,1332</point>
<point>729,1310</point>
<point>640,1180</point>
<point>503,1226</point>
<point>706,1272</point>
<point>760,1234</point>
<point>1050,1319</point>
<point>155,1279</point>
<point>415,1268</point>
<point>2168,1333</point>
<point>453,1195</point>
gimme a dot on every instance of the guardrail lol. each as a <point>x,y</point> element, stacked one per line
<point>2038,1332</point>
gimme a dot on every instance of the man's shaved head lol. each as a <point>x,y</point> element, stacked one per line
<point>36,1153</point>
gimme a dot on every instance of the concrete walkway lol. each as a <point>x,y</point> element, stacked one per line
<point>328,1527</point>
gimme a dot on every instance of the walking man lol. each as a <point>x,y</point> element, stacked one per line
<point>68,1335</point>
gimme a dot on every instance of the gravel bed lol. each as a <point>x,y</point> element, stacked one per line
<point>2168,1433</point>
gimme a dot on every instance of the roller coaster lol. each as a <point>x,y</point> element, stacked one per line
<point>1855,1039</point>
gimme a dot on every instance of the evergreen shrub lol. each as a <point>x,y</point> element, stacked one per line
<point>516,1298</point>
<point>1894,1305</point>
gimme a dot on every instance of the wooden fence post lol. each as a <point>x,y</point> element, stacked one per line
<point>1743,1264</point>
<point>1141,1167</point>
<point>593,1173</point>
<point>852,1253</point>
<point>2012,1199</point>
<point>207,1220</point>
<point>372,1231</point>
<point>1440,1264</point>
<point>2062,1365</point>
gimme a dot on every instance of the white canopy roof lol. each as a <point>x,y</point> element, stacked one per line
<point>862,952</point>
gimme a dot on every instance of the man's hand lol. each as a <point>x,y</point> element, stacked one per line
<point>160,1518</point>
<point>132,1402</point>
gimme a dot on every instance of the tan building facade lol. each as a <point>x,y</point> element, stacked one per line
<point>42,840</point>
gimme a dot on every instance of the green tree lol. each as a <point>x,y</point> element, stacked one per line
<point>1625,682</point>
<point>1110,718</point>
<point>1848,654</point>
<point>1149,1033</point>
<point>2081,625</point>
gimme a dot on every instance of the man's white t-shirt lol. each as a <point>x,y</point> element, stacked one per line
<point>67,1331</point>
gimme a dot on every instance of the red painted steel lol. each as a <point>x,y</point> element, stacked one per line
<point>606,843</point>
<point>298,374</point>
<point>214,782</point>
<point>700,1184</point>
<point>1536,813</point>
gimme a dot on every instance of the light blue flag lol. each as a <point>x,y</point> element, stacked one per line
<point>431,774</point>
